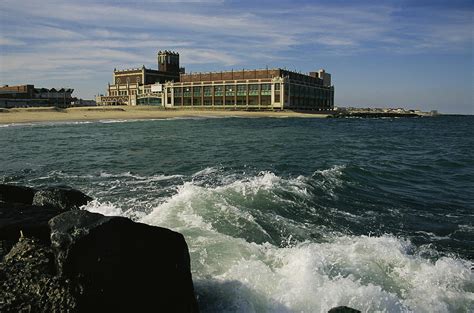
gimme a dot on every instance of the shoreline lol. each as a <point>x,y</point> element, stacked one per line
<point>53,114</point>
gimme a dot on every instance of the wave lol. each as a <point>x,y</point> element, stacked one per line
<point>367,273</point>
<point>330,179</point>
<point>144,179</point>
<point>384,273</point>
<point>248,254</point>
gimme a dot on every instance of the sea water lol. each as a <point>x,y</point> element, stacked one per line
<point>282,214</point>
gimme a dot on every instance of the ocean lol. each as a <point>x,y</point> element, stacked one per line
<point>282,214</point>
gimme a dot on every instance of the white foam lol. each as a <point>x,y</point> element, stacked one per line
<point>105,208</point>
<point>206,171</point>
<point>372,274</point>
<point>330,179</point>
<point>144,179</point>
<point>225,206</point>
<point>131,120</point>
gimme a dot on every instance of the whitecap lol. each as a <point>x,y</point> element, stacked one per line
<point>372,274</point>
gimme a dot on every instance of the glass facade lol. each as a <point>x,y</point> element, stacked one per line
<point>291,94</point>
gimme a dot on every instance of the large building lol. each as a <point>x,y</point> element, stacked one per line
<point>260,89</point>
<point>28,95</point>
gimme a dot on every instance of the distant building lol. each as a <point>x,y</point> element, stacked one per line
<point>83,103</point>
<point>28,95</point>
<point>259,89</point>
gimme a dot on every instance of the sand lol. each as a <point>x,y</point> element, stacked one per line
<point>51,114</point>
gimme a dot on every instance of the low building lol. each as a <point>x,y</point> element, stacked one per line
<point>29,96</point>
<point>259,89</point>
<point>83,103</point>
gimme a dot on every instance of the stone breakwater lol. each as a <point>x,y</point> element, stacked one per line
<point>69,260</point>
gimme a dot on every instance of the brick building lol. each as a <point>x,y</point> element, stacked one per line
<point>28,95</point>
<point>259,89</point>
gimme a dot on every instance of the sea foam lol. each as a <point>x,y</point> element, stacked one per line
<point>230,223</point>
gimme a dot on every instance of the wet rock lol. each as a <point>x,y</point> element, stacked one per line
<point>121,265</point>
<point>86,262</point>
<point>29,210</point>
<point>16,194</point>
<point>343,309</point>
<point>28,282</point>
<point>31,220</point>
<point>62,197</point>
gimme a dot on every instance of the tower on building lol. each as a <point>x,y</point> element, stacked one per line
<point>168,61</point>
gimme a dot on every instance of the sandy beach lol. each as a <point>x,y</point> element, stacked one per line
<point>51,114</point>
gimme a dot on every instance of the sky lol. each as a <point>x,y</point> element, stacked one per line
<point>412,54</point>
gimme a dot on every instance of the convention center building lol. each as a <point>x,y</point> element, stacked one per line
<point>258,89</point>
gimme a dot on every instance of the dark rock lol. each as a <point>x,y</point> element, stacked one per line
<point>17,194</point>
<point>31,220</point>
<point>63,198</point>
<point>28,281</point>
<point>27,210</point>
<point>121,265</point>
<point>343,309</point>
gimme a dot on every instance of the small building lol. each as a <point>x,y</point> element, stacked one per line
<point>259,89</point>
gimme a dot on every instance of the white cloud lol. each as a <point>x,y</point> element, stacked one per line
<point>64,37</point>
<point>4,41</point>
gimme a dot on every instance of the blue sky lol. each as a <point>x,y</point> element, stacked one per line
<point>414,54</point>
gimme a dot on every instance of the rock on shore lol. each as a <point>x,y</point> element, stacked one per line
<point>28,210</point>
<point>86,262</point>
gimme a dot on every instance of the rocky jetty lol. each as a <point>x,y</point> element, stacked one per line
<point>72,260</point>
<point>28,210</point>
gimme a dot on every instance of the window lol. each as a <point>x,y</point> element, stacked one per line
<point>208,91</point>
<point>241,90</point>
<point>253,90</point>
<point>218,90</point>
<point>197,91</point>
<point>178,92</point>
<point>265,100</point>
<point>266,89</point>
<point>253,100</point>
<point>229,90</point>
<point>187,92</point>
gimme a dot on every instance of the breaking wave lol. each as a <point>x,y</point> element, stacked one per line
<point>249,253</point>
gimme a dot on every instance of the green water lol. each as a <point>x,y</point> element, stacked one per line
<point>282,215</point>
